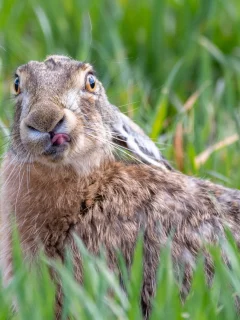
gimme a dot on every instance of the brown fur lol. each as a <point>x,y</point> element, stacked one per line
<point>85,190</point>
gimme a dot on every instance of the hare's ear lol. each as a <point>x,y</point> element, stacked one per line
<point>128,134</point>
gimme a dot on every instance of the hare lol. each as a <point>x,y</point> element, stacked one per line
<point>61,176</point>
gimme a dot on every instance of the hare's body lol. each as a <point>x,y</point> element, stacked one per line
<point>60,177</point>
<point>109,208</point>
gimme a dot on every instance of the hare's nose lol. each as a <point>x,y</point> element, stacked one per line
<point>45,117</point>
<point>56,135</point>
<point>49,130</point>
<point>42,125</point>
<point>39,128</point>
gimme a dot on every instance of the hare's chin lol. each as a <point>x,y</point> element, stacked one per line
<point>57,152</point>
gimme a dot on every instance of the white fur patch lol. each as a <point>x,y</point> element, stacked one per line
<point>25,105</point>
<point>71,100</point>
<point>137,141</point>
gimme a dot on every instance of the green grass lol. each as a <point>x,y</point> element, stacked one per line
<point>100,296</point>
<point>152,56</point>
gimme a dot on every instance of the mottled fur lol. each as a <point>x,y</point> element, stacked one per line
<point>84,190</point>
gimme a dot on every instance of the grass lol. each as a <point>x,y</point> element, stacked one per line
<point>100,296</point>
<point>171,65</point>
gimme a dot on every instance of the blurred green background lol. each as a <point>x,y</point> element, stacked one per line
<point>171,65</point>
<point>174,67</point>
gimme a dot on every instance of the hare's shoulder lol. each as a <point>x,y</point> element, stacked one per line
<point>174,199</point>
<point>125,188</point>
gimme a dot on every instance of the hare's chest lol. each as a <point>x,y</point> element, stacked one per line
<point>45,214</point>
<point>52,219</point>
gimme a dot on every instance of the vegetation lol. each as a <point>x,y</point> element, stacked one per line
<point>100,297</point>
<point>171,65</point>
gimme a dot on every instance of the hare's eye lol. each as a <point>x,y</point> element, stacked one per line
<point>90,83</point>
<point>17,85</point>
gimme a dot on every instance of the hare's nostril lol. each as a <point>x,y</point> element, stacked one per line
<point>51,134</point>
<point>32,134</point>
<point>60,122</point>
<point>31,128</point>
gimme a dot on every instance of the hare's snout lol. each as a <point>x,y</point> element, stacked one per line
<point>47,131</point>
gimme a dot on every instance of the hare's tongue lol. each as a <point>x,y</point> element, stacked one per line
<point>60,138</point>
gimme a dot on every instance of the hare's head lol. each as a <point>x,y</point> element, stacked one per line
<point>63,116</point>
<point>59,116</point>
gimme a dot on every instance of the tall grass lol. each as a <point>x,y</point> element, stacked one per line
<point>101,297</point>
<point>171,65</point>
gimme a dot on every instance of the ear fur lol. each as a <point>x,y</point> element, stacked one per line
<point>130,135</point>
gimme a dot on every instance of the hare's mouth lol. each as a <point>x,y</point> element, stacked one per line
<point>59,144</point>
<point>59,139</point>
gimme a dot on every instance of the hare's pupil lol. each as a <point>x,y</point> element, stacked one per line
<point>91,82</point>
<point>16,84</point>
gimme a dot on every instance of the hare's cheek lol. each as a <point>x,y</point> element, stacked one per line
<point>73,124</point>
<point>89,97</point>
<point>71,121</point>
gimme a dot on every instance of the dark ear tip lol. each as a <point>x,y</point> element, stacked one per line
<point>167,164</point>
